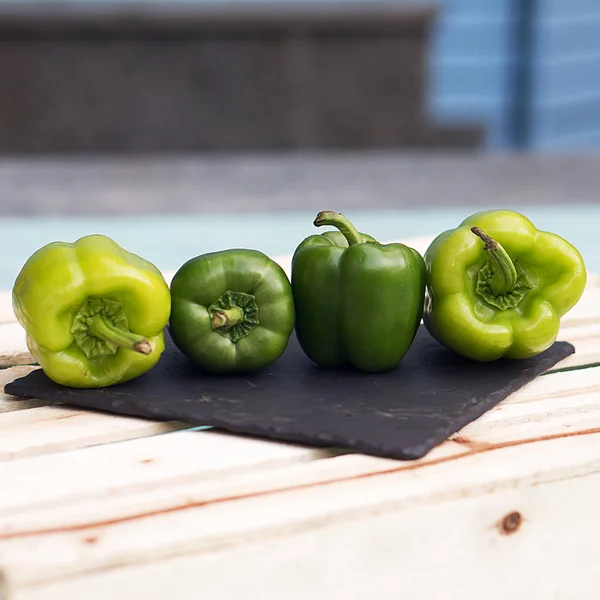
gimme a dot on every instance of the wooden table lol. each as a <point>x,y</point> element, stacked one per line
<point>95,504</point>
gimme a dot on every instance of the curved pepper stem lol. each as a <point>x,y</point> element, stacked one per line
<point>329,217</point>
<point>234,315</point>
<point>102,328</point>
<point>225,319</point>
<point>505,275</point>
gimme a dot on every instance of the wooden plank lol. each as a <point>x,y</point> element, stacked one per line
<point>72,506</point>
<point>10,403</point>
<point>559,403</point>
<point>565,385</point>
<point>139,466</point>
<point>587,310</point>
<point>8,375</point>
<point>11,359</point>
<point>575,332</point>
<point>452,549</point>
<point>571,412</point>
<point>533,421</point>
<point>55,560</point>
<point>48,429</point>
<point>585,336</point>
<point>587,353</point>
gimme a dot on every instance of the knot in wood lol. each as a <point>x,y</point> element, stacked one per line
<point>511,522</point>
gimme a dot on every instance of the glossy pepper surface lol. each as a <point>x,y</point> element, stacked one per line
<point>232,311</point>
<point>357,301</point>
<point>93,313</point>
<point>497,286</point>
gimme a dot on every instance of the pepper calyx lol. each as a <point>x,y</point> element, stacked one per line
<point>502,301</point>
<point>234,315</point>
<point>100,328</point>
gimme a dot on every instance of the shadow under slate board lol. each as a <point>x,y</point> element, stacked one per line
<point>400,414</point>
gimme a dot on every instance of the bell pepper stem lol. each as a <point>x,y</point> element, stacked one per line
<point>234,315</point>
<point>104,329</point>
<point>225,319</point>
<point>505,274</point>
<point>329,217</point>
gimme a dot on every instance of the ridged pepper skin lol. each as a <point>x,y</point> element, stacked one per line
<point>358,302</point>
<point>94,314</point>
<point>497,286</point>
<point>232,311</point>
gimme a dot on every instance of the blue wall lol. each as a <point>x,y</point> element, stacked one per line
<point>473,56</point>
<point>566,99</point>
<point>469,65</point>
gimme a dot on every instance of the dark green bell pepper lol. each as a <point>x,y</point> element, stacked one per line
<point>231,311</point>
<point>357,301</point>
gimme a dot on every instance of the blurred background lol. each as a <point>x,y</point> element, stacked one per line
<point>105,75</point>
<point>185,127</point>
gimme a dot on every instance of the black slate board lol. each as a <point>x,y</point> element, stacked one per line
<point>400,414</point>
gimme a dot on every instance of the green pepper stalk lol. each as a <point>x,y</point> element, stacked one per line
<point>504,279</point>
<point>223,320</point>
<point>102,328</point>
<point>497,286</point>
<point>96,334</point>
<point>328,217</point>
<point>357,301</point>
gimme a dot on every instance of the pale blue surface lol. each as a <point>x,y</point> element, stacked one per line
<point>170,240</point>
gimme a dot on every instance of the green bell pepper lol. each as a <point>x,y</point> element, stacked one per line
<point>357,301</point>
<point>232,311</point>
<point>94,314</point>
<point>497,287</point>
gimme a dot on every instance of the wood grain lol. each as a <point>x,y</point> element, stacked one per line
<point>140,466</point>
<point>48,429</point>
<point>451,550</point>
<point>510,475</point>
